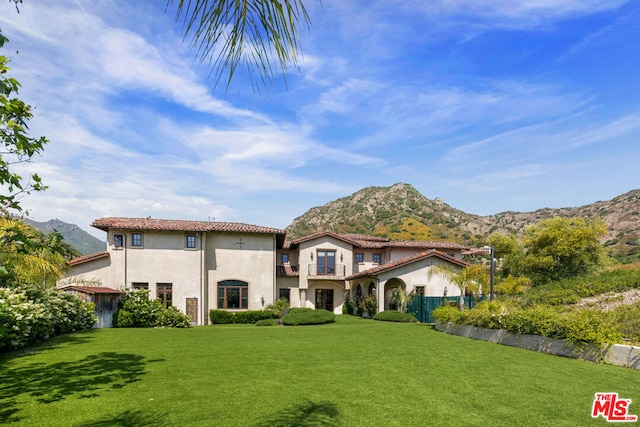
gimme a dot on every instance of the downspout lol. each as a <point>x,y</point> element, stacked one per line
<point>204,286</point>
<point>124,237</point>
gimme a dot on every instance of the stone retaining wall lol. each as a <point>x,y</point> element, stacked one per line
<point>617,354</point>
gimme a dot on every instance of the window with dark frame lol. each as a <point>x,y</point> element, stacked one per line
<point>377,258</point>
<point>324,299</point>
<point>359,257</point>
<point>117,240</point>
<point>233,294</point>
<point>285,258</point>
<point>136,239</point>
<point>164,292</point>
<point>191,241</point>
<point>140,285</point>
<point>326,262</point>
<point>285,293</point>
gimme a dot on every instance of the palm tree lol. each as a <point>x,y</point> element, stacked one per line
<point>260,34</point>
<point>27,257</point>
<point>473,277</point>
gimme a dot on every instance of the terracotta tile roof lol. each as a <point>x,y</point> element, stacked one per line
<point>342,237</point>
<point>404,261</point>
<point>92,289</point>
<point>287,271</point>
<point>154,224</point>
<point>88,258</point>
<point>428,244</point>
<point>374,242</point>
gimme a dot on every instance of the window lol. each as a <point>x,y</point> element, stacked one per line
<point>359,291</point>
<point>140,285</point>
<point>324,299</point>
<point>164,293</point>
<point>326,262</point>
<point>285,293</point>
<point>420,290</point>
<point>117,240</point>
<point>191,241</point>
<point>285,258</point>
<point>136,239</point>
<point>359,258</point>
<point>233,294</point>
<point>377,258</point>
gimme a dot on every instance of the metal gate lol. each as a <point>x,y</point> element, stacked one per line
<point>422,307</point>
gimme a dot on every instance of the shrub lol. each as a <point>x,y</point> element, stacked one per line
<point>221,317</point>
<point>308,316</point>
<point>395,316</point>
<point>29,315</point>
<point>136,310</point>
<point>267,322</point>
<point>278,307</point>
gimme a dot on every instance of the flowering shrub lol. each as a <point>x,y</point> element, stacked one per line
<point>136,310</point>
<point>32,314</point>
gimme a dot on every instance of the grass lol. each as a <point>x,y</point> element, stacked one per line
<point>354,372</point>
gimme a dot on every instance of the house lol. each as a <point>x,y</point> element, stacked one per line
<point>202,265</point>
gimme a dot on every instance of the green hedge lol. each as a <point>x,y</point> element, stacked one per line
<point>576,326</point>
<point>395,316</point>
<point>220,317</point>
<point>267,322</point>
<point>308,316</point>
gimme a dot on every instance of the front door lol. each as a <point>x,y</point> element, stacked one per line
<point>324,299</point>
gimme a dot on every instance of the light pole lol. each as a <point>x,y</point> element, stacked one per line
<point>491,271</point>
<point>491,295</point>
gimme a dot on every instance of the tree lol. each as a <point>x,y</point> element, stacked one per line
<point>261,35</point>
<point>472,277</point>
<point>400,297</point>
<point>17,146</point>
<point>28,257</point>
<point>558,248</point>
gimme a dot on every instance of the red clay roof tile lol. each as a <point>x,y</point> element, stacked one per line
<point>154,224</point>
<point>404,261</point>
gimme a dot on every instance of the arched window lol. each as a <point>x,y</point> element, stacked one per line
<point>233,294</point>
<point>359,291</point>
<point>372,288</point>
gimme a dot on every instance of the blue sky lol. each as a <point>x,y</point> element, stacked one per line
<point>491,106</point>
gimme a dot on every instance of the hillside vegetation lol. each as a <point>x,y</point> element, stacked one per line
<point>401,212</point>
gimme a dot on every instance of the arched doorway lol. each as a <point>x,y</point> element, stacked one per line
<point>388,289</point>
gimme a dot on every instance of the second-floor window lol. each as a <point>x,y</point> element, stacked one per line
<point>136,239</point>
<point>191,241</point>
<point>326,262</point>
<point>377,258</point>
<point>359,258</point>
<point>117,240</point>
<point>285,258</point>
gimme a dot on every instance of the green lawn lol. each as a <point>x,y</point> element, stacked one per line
<point>356,372</point>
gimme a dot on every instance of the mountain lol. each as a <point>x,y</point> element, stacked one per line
<point>84,242</point>
<point>401,212</point>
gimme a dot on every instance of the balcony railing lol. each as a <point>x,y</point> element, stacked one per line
<point>286,270</point>
<point>337,270</point>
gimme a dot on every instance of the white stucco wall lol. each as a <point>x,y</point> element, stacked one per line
<point>247,257</point>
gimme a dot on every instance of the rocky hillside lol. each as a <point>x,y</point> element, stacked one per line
<point>401,212</point>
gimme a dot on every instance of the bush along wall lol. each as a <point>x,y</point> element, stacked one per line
<point>576,326</point>
<point>221,317</point>
<point>136,310</point>
<point>29,315</point>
